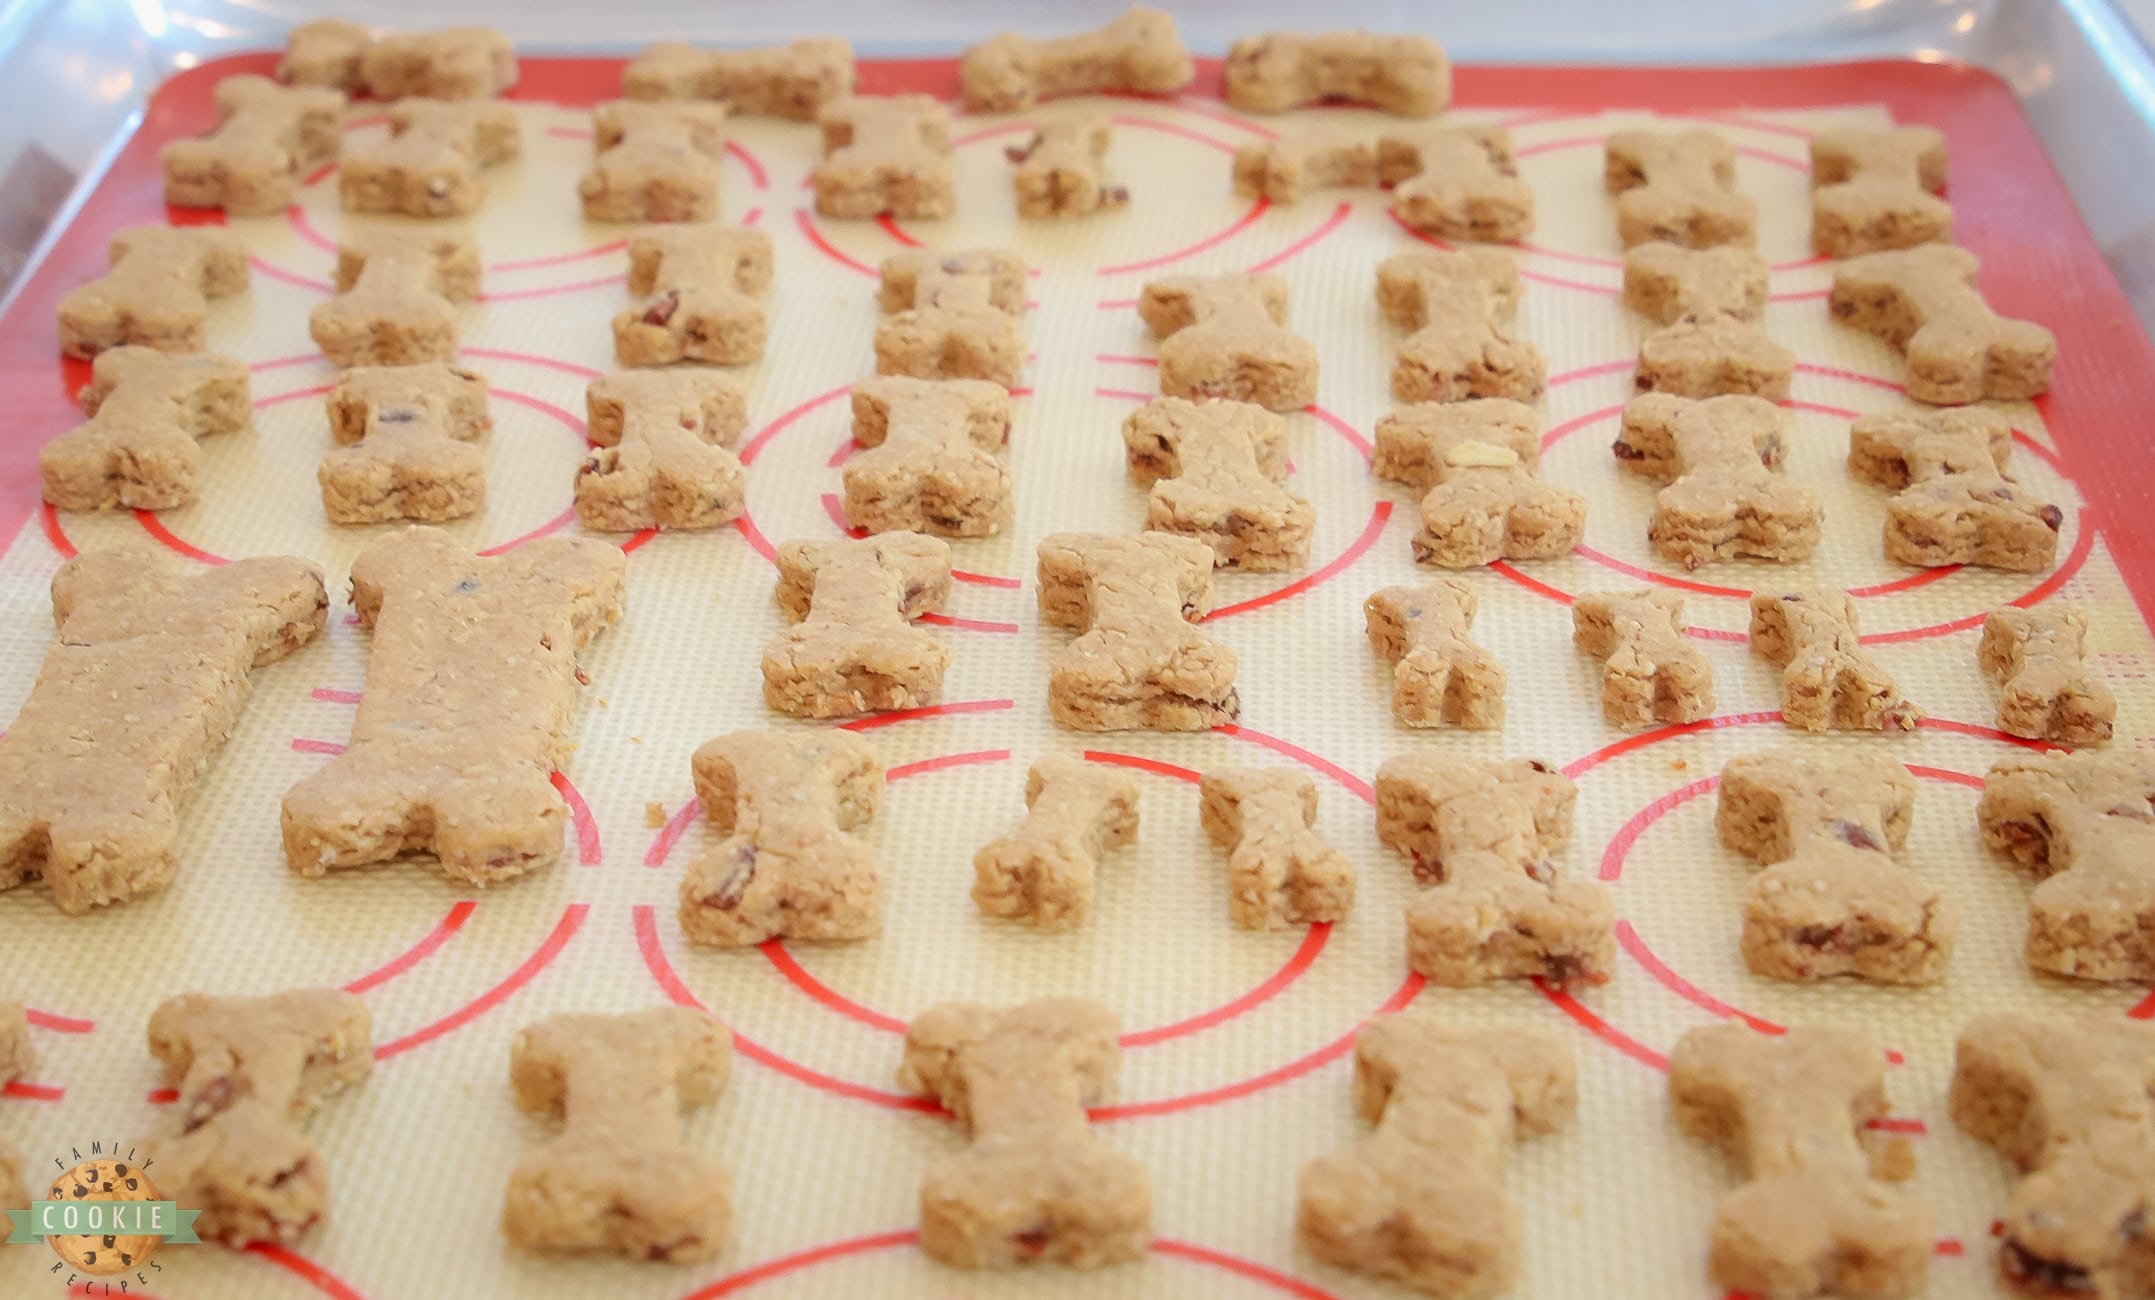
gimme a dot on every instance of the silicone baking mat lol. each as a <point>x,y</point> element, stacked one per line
<point>1237,1064</point>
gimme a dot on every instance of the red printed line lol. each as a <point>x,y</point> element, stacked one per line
<point>757,176</point>
<point>294,395</point>
<point>59,1024</point>
<point>754,446</point>
<point>967,624</point>
<point>774,951</point>
<point>1628,744</point>
<point>874,720</point>
<point>49,519</point>
<point>1606,290</point>
<point>944,761</point>
<point>1903,1127</point>
<point>1343,429</point>
<point>1305,243</point>
<point>303,745</point>
<point>275,272</point>
<point>1379,516</point>
<point>825,247</point>
<point>1248,1269</point>
<point>1123,395</point>
<point>636,543</point>
<point>1535,585</point>
<point>572,918</point>
<point>544,363</point>
<point>1355,785</point>
<point>735,1283</point>
<point>1636,948</point>
<point>1151,765</point>
<point>303,226</point>
<point>589,852</point>
<point>567,418</point>
<point>1600,1028</point>
<point>837,512</point>
<point>890,227</point>
<point>1612,857</point>
<point>670,835</point>
<point>418,952</point>
<point>560,259</point>
<point>1257,209</point>
<point>1589,372</point>
<point>306,1270</point>
<point>2083,546</point>
<point>155,527</point>
<point>330,695</point>
<point>1258,1083</point>
<point>756,539</point>
<point>21,1091</point>
<point>549,290</point>
<point>1172,128</point>
<point>550,527</point>
<point>1849,376</point>
<point>1108,358</point>
<point>669,981</point>
<point>1297,965</point>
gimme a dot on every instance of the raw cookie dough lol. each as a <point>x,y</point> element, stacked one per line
<point>853,647</point>
<point>1650,670</point>
<point>1475,463</point>
<point>1042,874</point>
<point>1828,680</point>
<point>2083,825</point>
<point>2047,689</point>
<point>1139,52</point>
<point>1481,836</point>
<point>1138,662</point>
<point>619,1180</point>
<point>471,687</point>
<point>1440,677</point>
<point>1218,473</point>
<point>147,409</point>
<point>157,293</point>
<point>143,685</point>
<point>1227,336</point>
<point>1458,307</point>
<point>247,1071</point>
<point>1035,1187</point>
<point>1421,1200</point>
<point>1280,871</point>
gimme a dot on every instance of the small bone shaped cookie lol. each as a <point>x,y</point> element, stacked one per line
<point>16,1058</point>
<point>1828,680</point>
<point>247,1071</point>
<point>1459,307</point>
<point>2084,825</point>
<point>2066,1101</point>
<point>1726,495</point>
<point>398,291</point>
<point>1280,170</point>
<point>885,154</point>
<point>1035,1187</point>
<point>1875,189</point>
<point>143,685</point>
<point>1832,900</point>
<point>268,138</point>
<point>1923,302</point>
<point>2047,688</point>
<point>1408,76</point>
<point>1954,504</point>
<point>852,647</point>
<point>1678,186</point>
<point>1139,52</point>
<point>1650,671</point>
<point>405,444</point>
<point>325,52</point>
<point>792,81</point>
<point>698,292</point>
<point>1138,663</point>
<point>1457,182</point>
<point>157,293</point>
<point>449,63</point>
<point>1421,1200</point>
<point>930,464</point>
<point>1042,874</point>
<point>1061,169</point>
<point>471,685</point>
<point>789,868</point>
<point>432,163</point>
<point>1227,336</point>
<point>1440,677</point>
<point>1816,1216</point>
<point>1280,871</point>
<point>1481,836</point>
<point>1474,462</point>
<point>1708,302</point>
<point>618,1180</point>
<point>664,457</point>
<point>138,450</point>
<point>1218,473</point>
<point>952,315</point>
<point>654,161</point>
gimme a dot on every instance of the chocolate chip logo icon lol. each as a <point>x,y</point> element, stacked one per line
<point>92,1207</point>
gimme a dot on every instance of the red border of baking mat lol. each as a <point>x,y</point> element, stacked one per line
<point>2039,259</point>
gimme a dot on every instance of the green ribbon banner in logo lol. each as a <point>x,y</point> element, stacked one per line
<point>102,1219</point>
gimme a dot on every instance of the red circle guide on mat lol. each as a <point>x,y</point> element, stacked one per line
<point>2039,260</point>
